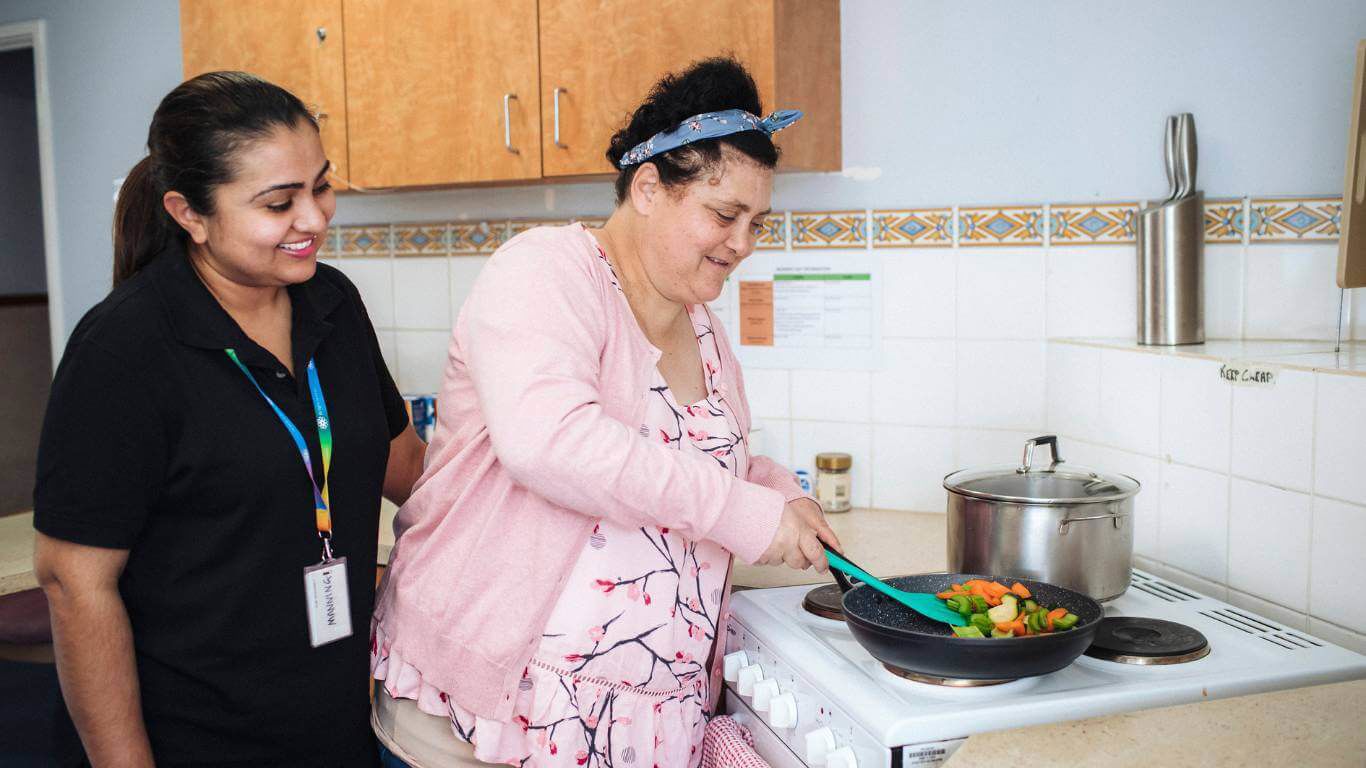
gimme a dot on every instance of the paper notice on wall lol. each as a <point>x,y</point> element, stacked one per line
<point>788,310</point>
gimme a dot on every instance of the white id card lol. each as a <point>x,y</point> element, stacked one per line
<point>329,604</point>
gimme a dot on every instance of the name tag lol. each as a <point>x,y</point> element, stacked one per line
<point>329,604</point>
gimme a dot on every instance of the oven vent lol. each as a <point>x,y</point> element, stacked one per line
<point>1252,625</point>
<point>1159,588</point>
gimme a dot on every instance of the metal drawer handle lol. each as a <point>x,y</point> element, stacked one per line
<point>555,97</point>
<point>1049,440</point>
<point>507,122</point>
<point>1117,517</point>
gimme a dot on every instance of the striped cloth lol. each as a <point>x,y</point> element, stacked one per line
<point>727,744</point>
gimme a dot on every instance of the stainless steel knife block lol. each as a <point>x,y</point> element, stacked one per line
<point>1171,271</point>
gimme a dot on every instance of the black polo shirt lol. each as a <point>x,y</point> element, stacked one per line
<point>155,442</point>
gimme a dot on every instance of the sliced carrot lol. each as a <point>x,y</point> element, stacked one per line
<point>1018,627</point>
<point>996,590</point>
<point>1050,623</point>
<point>1057,613</point>
<point>1006,626</point>
<point>946,595</point>
<point>1020,590</point>
<point>992,600</point>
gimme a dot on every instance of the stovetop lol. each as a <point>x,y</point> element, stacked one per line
<point>839,686</point>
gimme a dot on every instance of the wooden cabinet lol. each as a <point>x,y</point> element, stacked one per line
<point>600,59</point>
<point>446,92</point>
<point>294,43</point>
<point>442,91</point>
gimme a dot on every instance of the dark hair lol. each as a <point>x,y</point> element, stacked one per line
<point>195,135</point>
<point>710,85</point>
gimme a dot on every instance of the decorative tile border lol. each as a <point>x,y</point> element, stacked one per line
<point>913,228</point>
<point>1110,224</point>
<point>829,229</point>
<point>1224,221</point>
<point>420,240</point>
<point>1314,218</point>
<point>365,241</point>
<point>1000,226</point>
<point>1237,220</point>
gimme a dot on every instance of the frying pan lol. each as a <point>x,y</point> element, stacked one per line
<point>902,638</point>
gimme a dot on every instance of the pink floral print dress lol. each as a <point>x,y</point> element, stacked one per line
<point>621,675</point>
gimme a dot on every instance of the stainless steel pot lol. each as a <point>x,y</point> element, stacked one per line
<point>1065,525</point>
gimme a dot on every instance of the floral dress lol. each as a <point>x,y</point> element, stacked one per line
<point>621,674</point>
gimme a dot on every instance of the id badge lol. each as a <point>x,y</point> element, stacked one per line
<point>329,604</point>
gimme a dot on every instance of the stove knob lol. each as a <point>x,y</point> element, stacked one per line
<point>819,744</point>
<point>782,711</point>
<point>732,663</point>
<point>841,758</point>
<point>764,691</point>
<point>747,677</point>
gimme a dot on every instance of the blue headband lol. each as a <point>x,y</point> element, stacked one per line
<point>708,125</point>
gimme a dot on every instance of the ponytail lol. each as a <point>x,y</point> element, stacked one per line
<point>141,224</point>
<point>195,135</point>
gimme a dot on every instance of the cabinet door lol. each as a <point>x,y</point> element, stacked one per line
<point>603,56</point>
<point>296,44</point>
<point>442,91</point>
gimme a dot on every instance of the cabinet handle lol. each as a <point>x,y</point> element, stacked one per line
<point>555,97</point>
<point>321,32</point>
<point>507,122</point>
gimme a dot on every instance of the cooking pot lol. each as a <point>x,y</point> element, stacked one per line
<point>1063,524</point>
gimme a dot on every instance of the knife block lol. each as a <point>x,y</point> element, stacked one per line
<point>1171,272</point>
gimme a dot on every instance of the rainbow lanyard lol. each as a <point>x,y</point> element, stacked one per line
<point>320,499</point>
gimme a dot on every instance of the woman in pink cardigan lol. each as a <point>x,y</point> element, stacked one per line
<point>557,593</point>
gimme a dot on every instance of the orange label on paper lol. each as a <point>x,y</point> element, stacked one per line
<point>756,313</point>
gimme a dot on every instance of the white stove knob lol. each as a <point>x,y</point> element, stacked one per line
<point>764,691</point>
<point>782,711</point>
<point>747,677</point>
<point>841,758</point>
<point>731,665</point>
<point>819,744</point>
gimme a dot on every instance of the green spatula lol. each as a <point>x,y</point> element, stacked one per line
<point>923,603</point>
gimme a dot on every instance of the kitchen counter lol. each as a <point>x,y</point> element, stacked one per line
<point>16,553</point>
<point>1319,726</point>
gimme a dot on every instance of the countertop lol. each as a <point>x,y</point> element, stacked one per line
<point>1319,726</point>
<point>16,553</point>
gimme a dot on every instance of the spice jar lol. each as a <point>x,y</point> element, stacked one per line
<point>833,483</point>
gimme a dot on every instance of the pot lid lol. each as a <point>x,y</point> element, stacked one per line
<point>1057,482</point>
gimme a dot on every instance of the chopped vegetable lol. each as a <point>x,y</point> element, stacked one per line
<point>995,610</point>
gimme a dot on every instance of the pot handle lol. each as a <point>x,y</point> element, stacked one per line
<point>1117,517</point>
<point>840,578</point>
<point>1049,440</point>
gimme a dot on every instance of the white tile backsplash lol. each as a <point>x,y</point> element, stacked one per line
<point>812,437</point>
<point>1268,548</point>
<point>909,465</point>
<point>1091,291</point>
<point>422,293</point>
<point>1268,610</point>
<point>918,293</point>
<point>1196,408</point>
<point>1194,530</point>
<point>984,447</point>
<point>1340,438</point>
<point>421,360</point>
<point>1001,384</point>
<point>1001,293</point>
<point>374,279</point>
<point>1335,576</point>
<point>1073,390</point>
<point>1224,288</point>
<point>831,395</point>
<point>1129,400</point>
<point>1273,431</point>
<point>918,383</point>
<point>1292,291</point>
<point>769,391</point>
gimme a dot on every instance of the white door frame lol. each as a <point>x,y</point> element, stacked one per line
<point>33,35</point>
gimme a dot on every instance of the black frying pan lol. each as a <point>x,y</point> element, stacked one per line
<point>898,636</point>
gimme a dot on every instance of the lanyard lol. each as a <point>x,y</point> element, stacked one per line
<point>322,514</point>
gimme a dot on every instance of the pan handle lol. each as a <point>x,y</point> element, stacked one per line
<point>838,569</point>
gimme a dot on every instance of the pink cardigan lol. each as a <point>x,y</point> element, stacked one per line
<point>540,410</point>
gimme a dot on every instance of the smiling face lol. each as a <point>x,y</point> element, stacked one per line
<point>696,235</point>
<point>270,220</point>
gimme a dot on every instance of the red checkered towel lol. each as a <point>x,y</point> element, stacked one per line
<point>727,744</point>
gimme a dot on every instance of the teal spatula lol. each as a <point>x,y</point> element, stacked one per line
<point>922,603</point>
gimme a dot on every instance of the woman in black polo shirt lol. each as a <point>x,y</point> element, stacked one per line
<point>219,434</point>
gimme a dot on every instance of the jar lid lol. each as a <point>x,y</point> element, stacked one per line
<point>835,461</point>
<point>1055,483</point>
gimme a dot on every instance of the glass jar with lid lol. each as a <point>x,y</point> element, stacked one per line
<point>834,486</point>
